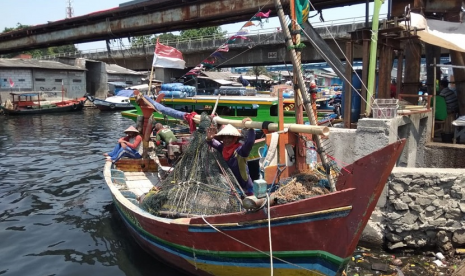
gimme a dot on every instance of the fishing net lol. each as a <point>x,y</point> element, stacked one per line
<point>301,186</point>
<point>201,183</point>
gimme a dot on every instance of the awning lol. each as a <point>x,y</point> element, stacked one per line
<point>445,34</point>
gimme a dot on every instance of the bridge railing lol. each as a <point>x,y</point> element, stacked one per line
<point>272,35</point>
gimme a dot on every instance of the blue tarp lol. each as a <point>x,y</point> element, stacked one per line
<point>166,110</point>
<point>125,93</point>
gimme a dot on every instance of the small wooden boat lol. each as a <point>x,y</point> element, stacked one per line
<point>31,103</point>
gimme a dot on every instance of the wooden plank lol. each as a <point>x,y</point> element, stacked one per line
<point>136,177</point>
<point>139,183</point>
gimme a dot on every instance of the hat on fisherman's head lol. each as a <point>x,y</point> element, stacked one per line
<point>131,129</point>
<point>228,130</point>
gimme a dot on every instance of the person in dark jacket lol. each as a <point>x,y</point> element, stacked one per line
<point>234,153</point>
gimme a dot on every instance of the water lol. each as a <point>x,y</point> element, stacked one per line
<point>56,214</point>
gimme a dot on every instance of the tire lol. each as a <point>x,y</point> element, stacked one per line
<point>112,106</point>
<point>75,106</point>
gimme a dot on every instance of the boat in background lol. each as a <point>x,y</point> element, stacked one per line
<point>119,102</point>
<point>29,103</point>
<point>259,108</point>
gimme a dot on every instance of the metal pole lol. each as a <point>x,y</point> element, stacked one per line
<point>373,50</point>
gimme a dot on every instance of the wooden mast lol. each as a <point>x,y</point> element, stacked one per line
<point>300,155</point>
<point>301,85</point>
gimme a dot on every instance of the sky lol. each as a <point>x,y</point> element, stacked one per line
<point>36,12</point>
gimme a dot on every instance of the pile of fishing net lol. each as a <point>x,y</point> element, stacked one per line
<point>201,183</point>
<point>302,186</point>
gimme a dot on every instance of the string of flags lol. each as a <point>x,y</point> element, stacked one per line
<point>217,55</point>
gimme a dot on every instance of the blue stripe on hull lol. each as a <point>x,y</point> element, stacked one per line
<point>297,220</point>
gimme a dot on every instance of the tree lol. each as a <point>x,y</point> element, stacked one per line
<point>70,48</point>
<point>257,71</point>
<point>214,32</point>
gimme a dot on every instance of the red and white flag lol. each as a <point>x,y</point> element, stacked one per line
<point>168,57</point>
<point>11,83</point>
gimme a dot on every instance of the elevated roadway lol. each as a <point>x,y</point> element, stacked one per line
<point>265,47</point>
<point>149,17</point>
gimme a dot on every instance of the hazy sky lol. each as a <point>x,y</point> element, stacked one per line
<point>35,12</point>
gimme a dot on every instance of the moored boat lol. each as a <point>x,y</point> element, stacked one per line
<point>30,103</point>
<point>312,236</point>
<point>118,102</point>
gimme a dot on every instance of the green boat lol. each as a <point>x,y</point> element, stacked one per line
<point>229,107</point>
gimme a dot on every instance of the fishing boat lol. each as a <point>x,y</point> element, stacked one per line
<point>30,103</point>
<point>118,102</point>
<point>312,236</point>
<point>199,220</point>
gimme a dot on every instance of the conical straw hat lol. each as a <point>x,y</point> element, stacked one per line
<point>131,129</point>
<point>228,130</point>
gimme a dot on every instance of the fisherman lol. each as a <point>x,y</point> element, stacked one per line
<point>163,135</point>
<point>128,146</point>
<point>234,153</point>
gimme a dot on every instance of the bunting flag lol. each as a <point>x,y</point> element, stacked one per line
<point>248,24</point>
<point>231,41</point>
<point>207,65</point>
<point>242,32</point>
<point>302,10</point>
<point>223,48</point>
<point>167,57</point>
<point>218,55</point>
<point>238,36</point>
<point>207,61</point>
<point>261,14</point>
<point>256,18</point>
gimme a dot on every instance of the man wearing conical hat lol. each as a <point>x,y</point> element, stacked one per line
<point>128,146</point>
<point>234,153</point>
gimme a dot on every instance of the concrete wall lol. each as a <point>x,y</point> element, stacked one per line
<point>128,79</point>
<point>97,79</point>
<point>373,134</point>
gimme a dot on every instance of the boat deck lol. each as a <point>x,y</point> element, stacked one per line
<point>137,183</point>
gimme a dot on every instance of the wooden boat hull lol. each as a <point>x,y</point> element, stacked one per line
<point>61,107</point>
<point>314,236</point>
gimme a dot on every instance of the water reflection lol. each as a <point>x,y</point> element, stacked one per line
<point>56,214</point>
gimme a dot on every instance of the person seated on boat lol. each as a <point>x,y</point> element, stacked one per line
<point>128,146</point>
<point>234,153</point>
<point>163,135</point>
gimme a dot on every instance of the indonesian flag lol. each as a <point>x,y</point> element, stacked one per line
<point>167,57</point>
<point>11,82</point>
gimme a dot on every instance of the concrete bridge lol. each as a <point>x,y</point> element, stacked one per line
<point>142,18</point>
<point>264,47</point>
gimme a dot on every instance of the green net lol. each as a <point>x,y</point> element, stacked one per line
<point>201,183</point>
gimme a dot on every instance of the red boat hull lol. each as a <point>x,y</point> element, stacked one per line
<point>314,236</point>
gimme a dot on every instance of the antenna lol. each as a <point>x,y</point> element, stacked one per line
<point>69,9</point>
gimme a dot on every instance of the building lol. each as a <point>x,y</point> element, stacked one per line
<point>46,76</point>
<point>120,77</point>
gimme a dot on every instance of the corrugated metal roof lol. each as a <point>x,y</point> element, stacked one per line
<point>116,69</point>
<point>35,63</point>
<point>218,75</point>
